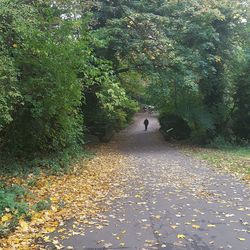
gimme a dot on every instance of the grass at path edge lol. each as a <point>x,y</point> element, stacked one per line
<point>235,160</point>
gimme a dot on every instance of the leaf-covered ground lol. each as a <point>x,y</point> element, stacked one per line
<point>88,190</point>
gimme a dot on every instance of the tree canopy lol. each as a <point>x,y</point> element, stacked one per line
<point>68,68</point>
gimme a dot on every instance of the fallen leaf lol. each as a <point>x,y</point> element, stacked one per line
<point>50,229</point>
<point>174,226</point>
<point>241,239</point>
<point>6,217</point>
<point>211,225</point>
<point>23,225</point>
<point>107,245</point>
<point>181,236</point>
<point>196,226</point>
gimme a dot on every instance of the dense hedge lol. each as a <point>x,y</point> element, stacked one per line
<point>174,127</point>
<point>46,74</point>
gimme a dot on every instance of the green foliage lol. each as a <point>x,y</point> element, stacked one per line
<point>56,163</point>
<point>42,205</point>
<point>9,93</point>
<point>64,72</point>
<point>186,49</point>
<point>106,105</point>
<point>174,127</point>
<point>49,65</point>
<point>12,202</point>
<point>107,108</point>
<point>12,26</point>
<point>241,113</point>
<point>220,142</point>
<point>134,83</point>
<point>41,103</point>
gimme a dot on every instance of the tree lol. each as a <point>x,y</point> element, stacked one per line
<point>184,46</point>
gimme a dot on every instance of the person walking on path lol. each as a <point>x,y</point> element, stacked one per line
<point>146,122</point>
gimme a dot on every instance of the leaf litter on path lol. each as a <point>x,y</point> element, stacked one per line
<point>87,191</point>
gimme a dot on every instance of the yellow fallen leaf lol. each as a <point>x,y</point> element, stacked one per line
<point>174,226</point>
<point>196,226</point>
<point>6,217</point>
<point>241,239</point>
<point>25,247</point>
<point>149,241</point>
<point>23,225</point>
<point>54,199</point>
<point>54,208</point>
<point>46,239</point>
<point>211,225</point>
<point>241,209</point>
<point>50,229</point>
<point>181,236</point>
<point>61,230</point>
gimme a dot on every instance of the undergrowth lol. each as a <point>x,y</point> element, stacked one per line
<point>53,164</point>
<point>18,176</point>
<point>12,206</point>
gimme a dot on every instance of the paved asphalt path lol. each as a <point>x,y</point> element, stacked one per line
<point>175,202</point>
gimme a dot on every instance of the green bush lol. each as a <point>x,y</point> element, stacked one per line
<point>54,163</point>
<point>106,107</point>
<point>40,90</point>
<point>174,127</point>
<point>12,199</point>
<point>42,205</point>
<point>241,115</point>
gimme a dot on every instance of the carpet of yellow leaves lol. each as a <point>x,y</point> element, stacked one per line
<point>89,189</point>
